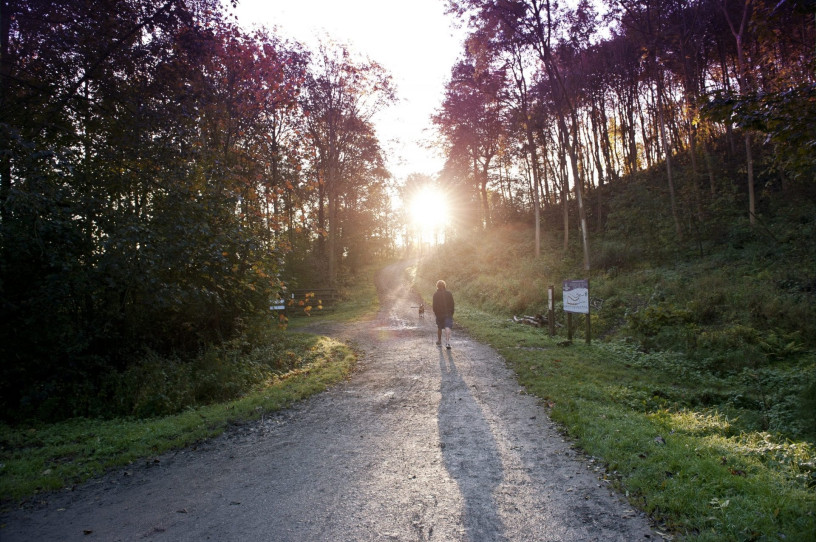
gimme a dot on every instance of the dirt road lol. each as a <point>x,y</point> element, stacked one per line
<point>421,444</point>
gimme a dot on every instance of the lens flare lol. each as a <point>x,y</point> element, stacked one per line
<point>429,214</point>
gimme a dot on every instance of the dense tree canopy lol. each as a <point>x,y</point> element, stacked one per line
<point>158,164</point>
<point>342,95</point>
<point>604,90</point>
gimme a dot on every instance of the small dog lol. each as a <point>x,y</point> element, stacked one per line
<point>422,310</point>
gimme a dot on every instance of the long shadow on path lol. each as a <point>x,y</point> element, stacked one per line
<point>470,453</point>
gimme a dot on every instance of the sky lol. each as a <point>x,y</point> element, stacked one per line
<point>413,39</point>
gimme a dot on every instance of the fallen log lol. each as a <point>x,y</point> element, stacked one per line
<point>538,320</point>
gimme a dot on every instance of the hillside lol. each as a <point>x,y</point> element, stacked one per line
<point>697,395</point>
<point>735,307</point>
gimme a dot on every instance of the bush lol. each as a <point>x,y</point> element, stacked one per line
<point>159,385</point>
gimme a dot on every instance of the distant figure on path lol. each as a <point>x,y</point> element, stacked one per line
<point>443,310</point>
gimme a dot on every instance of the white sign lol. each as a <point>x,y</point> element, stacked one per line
<point>576,296</point>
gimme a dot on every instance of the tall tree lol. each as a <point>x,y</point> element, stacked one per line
<point>535,24</point>
<point>471,120</point>
<point>131,188</point>
<point>648,21</point>
<point>738,23</point>
<point>342,95</point>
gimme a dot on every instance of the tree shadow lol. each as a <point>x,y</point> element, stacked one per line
<point>470,453</point>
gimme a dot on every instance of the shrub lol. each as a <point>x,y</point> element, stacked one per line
<point>654,320</point>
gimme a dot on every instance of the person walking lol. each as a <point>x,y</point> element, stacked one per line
<point>443,310</point>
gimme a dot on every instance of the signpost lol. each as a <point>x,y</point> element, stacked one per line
<point>278,304</point>
<point>576,300</point>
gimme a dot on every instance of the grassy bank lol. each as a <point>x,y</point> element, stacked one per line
<point>712,438</point>
<point>267,369</point>
<point>49,457</point>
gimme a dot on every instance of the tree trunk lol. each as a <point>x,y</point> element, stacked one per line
<point>547,197</point>
<point>544,184</point>
<point>694,173</point>
<point>632,132</point>
<point>521,85</point>
<point>322,227</point>
<point>745,87</point>
<point>667,148</point>
<point>579,193</point>
<point>536,199</point>
<point>568,142</point>
<point>605,143</point>
<point>749,163</point>
<point>562,162</point>
<point>485,201</point>
<point>331,249</point>
<point>712,185</point>
<point>596,145</point>
<point>647,141</point>
<point>5,73</point>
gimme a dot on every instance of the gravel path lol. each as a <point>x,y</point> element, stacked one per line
<point>421,444</point>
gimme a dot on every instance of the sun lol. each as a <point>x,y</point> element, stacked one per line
<point>429,213</point>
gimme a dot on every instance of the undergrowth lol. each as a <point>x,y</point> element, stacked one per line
<point>741,330</point>
<point>698,389</point>
<point>168,403</point>
<point>42,457</point>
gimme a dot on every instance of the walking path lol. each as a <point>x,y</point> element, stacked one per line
<point>421,444</point>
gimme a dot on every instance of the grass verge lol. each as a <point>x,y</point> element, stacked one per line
<point>49,457</point>
<point>693,470</point>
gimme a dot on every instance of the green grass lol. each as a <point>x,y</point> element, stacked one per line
<point>49,457</point>
<point>697,392</point>
<point>266,368</point>
<point>697,471</point>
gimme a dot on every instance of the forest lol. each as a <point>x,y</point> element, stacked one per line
<point>160,168</point>
<point>164,172</point>
<point>549,106</point>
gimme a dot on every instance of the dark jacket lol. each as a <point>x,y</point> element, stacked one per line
<point>443,303</point>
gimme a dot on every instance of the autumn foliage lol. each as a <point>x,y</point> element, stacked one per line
<point>158,173</point>
<point>553,105</point>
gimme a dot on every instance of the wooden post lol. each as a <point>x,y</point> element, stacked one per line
<point>569,327</point>
<point>551,309</point>
<point>589,310</point>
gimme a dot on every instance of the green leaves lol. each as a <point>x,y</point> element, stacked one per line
<point>134,212</point>
<point>787,119</point>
